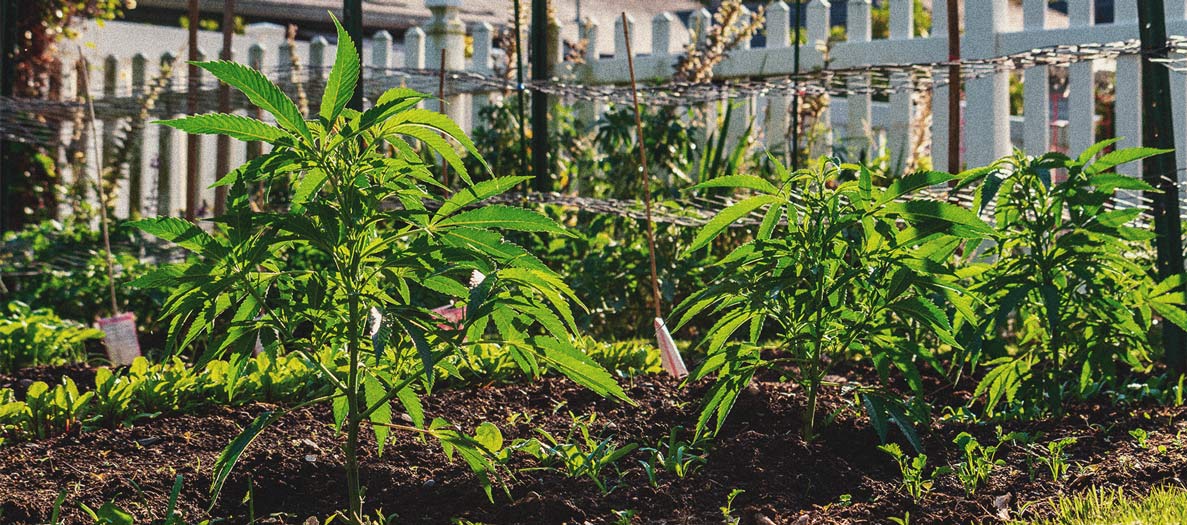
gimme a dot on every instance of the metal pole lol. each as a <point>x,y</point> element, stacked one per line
<point>192,160</point>
<point>224,106</point>
<point>8,24</point>
<point>523,132</point>
<point>1158,132</point>
<point>539,49</point>
<point>954,86</point>
<point>795,97</point>
<point>352,20</point>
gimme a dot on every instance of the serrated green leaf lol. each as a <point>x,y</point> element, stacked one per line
<point>261,92</point>
<point>500,217</point>
<point>728,216</point>
<point>237,127</point>
<point>344,76</point>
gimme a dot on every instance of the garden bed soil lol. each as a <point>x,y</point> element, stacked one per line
<point>295,467</point>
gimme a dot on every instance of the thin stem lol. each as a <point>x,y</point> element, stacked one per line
<point>630,60</point>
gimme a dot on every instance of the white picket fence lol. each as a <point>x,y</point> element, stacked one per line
<point>855,119</point>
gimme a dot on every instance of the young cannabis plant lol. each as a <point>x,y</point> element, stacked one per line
<point>837,268</point>
<point>395,243</point>
<point>1067,269</point>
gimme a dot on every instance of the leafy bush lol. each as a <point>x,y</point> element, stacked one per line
<point>362,307</point>
<point>62,264</point>
<point>838,268</point>
<point>39,337</point>
<point>1069,273</point>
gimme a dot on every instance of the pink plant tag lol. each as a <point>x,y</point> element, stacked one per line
<point>452,316</point>
<point>668,354</point>
<point>119,336</point>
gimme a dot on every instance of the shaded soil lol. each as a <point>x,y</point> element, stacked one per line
<point>295,466</point>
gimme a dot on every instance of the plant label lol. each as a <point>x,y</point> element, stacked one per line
<point>119,336</point>
<point>668,354</point>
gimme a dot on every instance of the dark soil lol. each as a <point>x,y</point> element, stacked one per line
<point>295,467</point>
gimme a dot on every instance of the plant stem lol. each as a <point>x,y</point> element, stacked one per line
<point>354,493</point>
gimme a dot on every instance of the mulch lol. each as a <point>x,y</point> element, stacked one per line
<point>295,468</point>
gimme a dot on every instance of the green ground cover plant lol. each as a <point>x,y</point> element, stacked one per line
<point>30,337</point>
<point>360,305</point>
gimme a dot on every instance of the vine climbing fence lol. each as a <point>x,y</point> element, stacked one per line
<point>872,86</point>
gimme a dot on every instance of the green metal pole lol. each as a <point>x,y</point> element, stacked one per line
<point>1158,132</point>
<point>352,20</point>
<point>539,49</point>
<point>7,173</point>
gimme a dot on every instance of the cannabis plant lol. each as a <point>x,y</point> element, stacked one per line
<point>1069,294</point>
<point>837,268</point>
<point>392,242</point>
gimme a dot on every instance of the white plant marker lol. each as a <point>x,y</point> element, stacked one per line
<point>669,356</point>
<point>119,336</point>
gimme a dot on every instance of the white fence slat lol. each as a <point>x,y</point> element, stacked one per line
<point>988,97</point>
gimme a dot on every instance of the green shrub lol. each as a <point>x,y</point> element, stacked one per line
<point>1068,295</point>
<point>838,268</point>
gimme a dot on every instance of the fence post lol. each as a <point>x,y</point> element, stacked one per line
<point>166,153</point>
<point>1037,86</point>
<point>899,132</point>
<point>988,97</point>
<point>775,116</point>
<point>111,81</point>
<point>940,114</point>
<point>480,63</point>
<point>255,60</point>
<point>1128,105</point>
<point>136,155</point>
<point>414,48</point>
<point>818,27</point>
<point>1177,10</point>
<point>859,29</point>
<point>661,34</point>
<point>317,57</point>
<point>1081,83</point>
<point>620,36</point>
<point>381,60</point>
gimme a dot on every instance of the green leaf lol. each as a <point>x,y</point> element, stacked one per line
<point>1122,156</point>
<point>930,209</point>
<point>182,233</point>
<point>261,92</point>
<point>728,216</point>
<point>579,367</point>
<point>477,193</point>
<point>240,128</point>
<point>1095,150</point>
<point>230,455</point>
<point>500,217</point>
<point>374,393</point>
<point>344,76</point>
<point>1108,182</point>
<point>740,181</point>
<point>412,406</point>
<point>912,182</point>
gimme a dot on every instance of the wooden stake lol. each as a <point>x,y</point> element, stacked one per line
<point>223,165</point>
<point>630,60</point>
<point>84,76</point>
<point>954,86</point>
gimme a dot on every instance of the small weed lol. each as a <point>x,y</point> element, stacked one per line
<point>917,482</point>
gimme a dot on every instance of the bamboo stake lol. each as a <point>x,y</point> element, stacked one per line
<point>669,355</point>
<point>84,75</point>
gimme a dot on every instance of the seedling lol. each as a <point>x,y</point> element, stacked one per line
<point>977,463</point>
<point>917,481</point>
